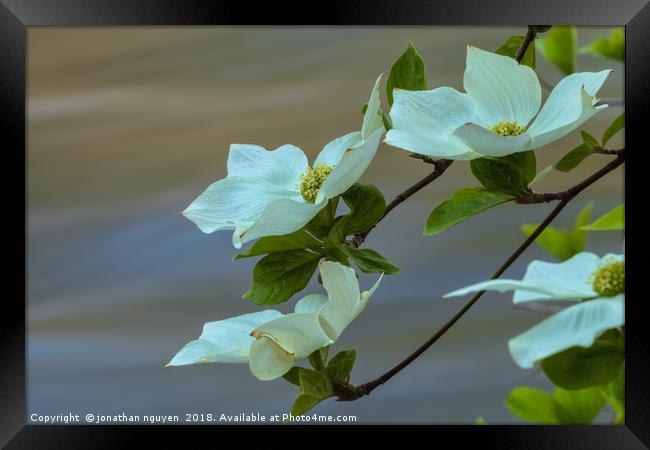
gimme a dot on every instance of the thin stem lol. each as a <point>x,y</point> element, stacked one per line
<point>440,166</point>
<point>569,194</point>
<point>530,37</point>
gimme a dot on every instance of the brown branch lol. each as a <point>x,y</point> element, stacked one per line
<point>567,196</point>
<point>440,166</point>
<point>530,37</point>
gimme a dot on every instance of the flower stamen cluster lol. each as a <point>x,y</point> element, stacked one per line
<point>312,180</point>
<point>505,128</point>
<point>609,280</point>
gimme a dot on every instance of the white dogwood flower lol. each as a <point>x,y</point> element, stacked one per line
<point>269,341</point>
<point>498,114</point>
<point>276,192</point>
<point>598,282</point>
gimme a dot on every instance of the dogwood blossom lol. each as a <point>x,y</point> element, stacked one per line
<point>498,114</point>
<point>598,282</point>
<point>269,341</point>
<point>276,192</point>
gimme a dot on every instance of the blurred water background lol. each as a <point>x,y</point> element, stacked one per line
<point>126,126</point>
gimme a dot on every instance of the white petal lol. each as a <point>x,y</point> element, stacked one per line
<point>568,280</point>
<point>501,88</point>
<point>422,121</point>
<point>233,201</point>
<point>342,287</point>
<point>485,142</point>
<point>372,121</point>
<point>280,217</point>
<point>226,340</point>
<point>332,153</point>
<point>578,325</point>
<point>298,334</point>
<point>569,105</point>
<point>281,166</point>
<point>311,303</point>
<point>352,164</point>
<point>502,285</point>
<point>365,296</point>
<point>268,360</point>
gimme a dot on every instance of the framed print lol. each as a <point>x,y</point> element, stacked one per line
<point>375,215</point>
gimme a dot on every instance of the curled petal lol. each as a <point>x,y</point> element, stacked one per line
<point>578,325</point>
<point>570,104</point>
<point>297,333</point>
<point>372,121</point>
<point>268,360</point>
<point>225,341</point>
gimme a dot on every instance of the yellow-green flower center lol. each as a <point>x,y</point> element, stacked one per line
<point>609,280</point>
<point>312,180</point>
<point>505,128</point>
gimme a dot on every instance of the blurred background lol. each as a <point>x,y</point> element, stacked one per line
<point>126,126</point>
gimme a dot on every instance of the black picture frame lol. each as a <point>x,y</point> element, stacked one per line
<point>17,15</point>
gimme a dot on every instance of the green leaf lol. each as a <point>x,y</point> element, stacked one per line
<point>512,44</point>
<point>278,276</point>
<point>315,386</point>
<point>368,260</point>
<point>510,174</point>
<point>589,139</point>
<point>534,405</point>
<point>367,205</point>
<point>612,220</point>
<point>559,48</point>
<point>292,376</point>
<point>580,407</point>
<point>407,73</point>
<point>338,233</point>
<point>616,126</point>
<point>572,159</point>
<point>465,203</point>
<point>541,175</point>
<point>579,367</point>
<point>557,243</point>
<point>340,366</point>
<point>271,244</point>
<point>323,222</point>
<point>615,394</point>
<point>578,235</point>
<point>480,420</point>
<point>612,47</point>
<point>561,243</point>
<point>318,359</point>
<point>335,251</point>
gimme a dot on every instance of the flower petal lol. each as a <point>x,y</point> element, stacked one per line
<point>225,341</point>
<point>501,88</point>
<point>233,201</point>
<point>578,325</point>
<point>268,360</point>
<point>568,280</point>
<point>372,121</point>
<point>502,285</point>
<point>281,166</point>
<point>298,334</point>
<point>422,121</point>
<point>569,105</point>
<point>352,163</point>
<point>342,287</point>
<point>281,216</point>
<point>485,142</point>
<point>311,303</point>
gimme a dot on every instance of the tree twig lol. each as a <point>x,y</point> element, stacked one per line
<point>568,195</point>
<point>530,37</point>
<point>440,166</point>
